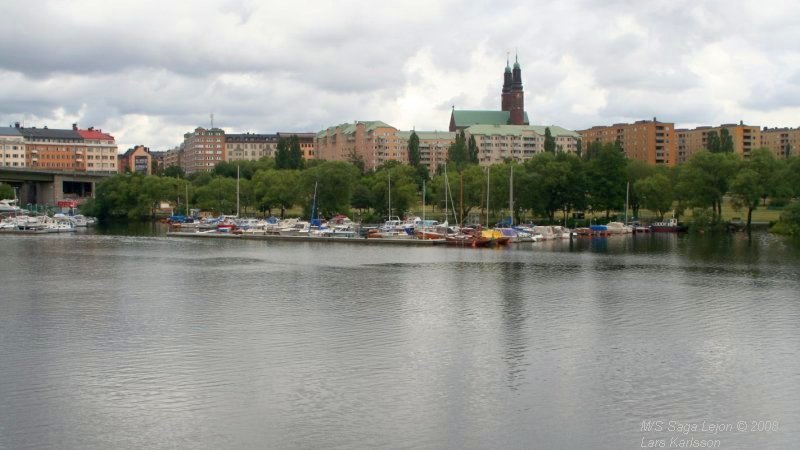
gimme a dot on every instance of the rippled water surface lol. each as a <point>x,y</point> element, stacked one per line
<point>111,341</point>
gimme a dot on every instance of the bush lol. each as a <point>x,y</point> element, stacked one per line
<point>789,224</point>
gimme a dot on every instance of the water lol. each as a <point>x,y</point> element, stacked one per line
<point>114,341</point>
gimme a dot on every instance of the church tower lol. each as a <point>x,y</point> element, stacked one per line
<point>516,98</point>
<point>505,99</point>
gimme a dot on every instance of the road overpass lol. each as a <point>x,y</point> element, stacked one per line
<point>48,187</point>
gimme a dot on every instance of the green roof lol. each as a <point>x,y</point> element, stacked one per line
<point>466,118</point>
<point>519,130</point>
<point>428,135</point>
<point>350,128</point>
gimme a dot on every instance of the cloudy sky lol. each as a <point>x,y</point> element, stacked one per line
<point>148,71</point>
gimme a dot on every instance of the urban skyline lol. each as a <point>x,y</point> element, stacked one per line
<point>274,66</point>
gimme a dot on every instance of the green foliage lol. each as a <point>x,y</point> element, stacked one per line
<point>713,144</point>
<point>607,179</point>
<point>551,183</point>
<point>705,178</point>
<point>276,189</point>
<point>413,150</point>
<point>655,193</point>
<point>335,182</point>
<point>245,168</point>
<point>549,141</point>
<point>132,196</point>
<point>593,150</point>
<point>634,171</point>
<point>396,181</point>
<point>6,191</point>
<point>472,150</point>
<point>218,195</point>
<point>362,196</point>
<point>725,141</point>
<point>457,154</point>
<point>174,172</point>
<point>755,181</point>
<point>789,224</point>
<point>288,155</point>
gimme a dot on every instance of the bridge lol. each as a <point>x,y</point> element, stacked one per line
<point>48,187</point>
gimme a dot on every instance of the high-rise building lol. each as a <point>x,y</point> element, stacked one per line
<point>433,146</point>
<point>174,156</point>
<point>782,142</point>
<point>746,138</point>
<point>75,150</point>
<point>306,141</point>
<point>649,141</point>
<point>203,149</point>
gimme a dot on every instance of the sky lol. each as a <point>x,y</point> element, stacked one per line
<point>149,71</point>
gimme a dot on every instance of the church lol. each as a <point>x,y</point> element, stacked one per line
<point>512,105</point>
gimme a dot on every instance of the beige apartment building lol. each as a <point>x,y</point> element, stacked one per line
<point>174,156</point>
<point>433,146</point>
<point>650,141</point>
<point>373,141</point>
<point>203,149</point>
<point>12,147</point>
<point>782,142</point>
<point>100,150</point>
<point>746,138</point>
<point>250,146</point>
<point>499,143</point>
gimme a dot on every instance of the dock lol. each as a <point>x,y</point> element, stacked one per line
<point>332,240</point>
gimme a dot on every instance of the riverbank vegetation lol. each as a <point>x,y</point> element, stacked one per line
<point>550,186</point>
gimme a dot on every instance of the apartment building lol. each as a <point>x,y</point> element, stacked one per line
<point>746,138</point>
<point>375,142</point>
<point>433,146</point>
<point>174,156</point>
<point>306,141</point>
<point>782,142</point>
<point>12,147</point>
<point>52,149</point>
<point>250,146</point>
<point>203,149</point>
<point>100,150</point>
<point>136,160</point>
<point>650,141</point>
<point>499,143</point>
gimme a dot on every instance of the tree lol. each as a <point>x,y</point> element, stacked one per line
<point>398,179</point>
<point>282,159</point>
<point>549,141</point>
<point>472,150</point>
<point>756,181</point>
<point>218,195</point>
<point>276,188</point>
<point>6,191</point>
<point>725,141</point>
<point>713,144</point>
<point>334,182</point>
<point>296,160</point>
<point>552,183</point>
<point>356,160</point>
<point>457,152</point>
<point>705,179</point>
<point>655,193</point>
<point>607,179</point>
<point>174,172</point>
<point>579,148</point>
<point>362,197</point>
<point>635,171</point>
<point>593,150</point>
<point>413,150</point>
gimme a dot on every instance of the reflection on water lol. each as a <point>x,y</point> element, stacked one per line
<point>139,340</point>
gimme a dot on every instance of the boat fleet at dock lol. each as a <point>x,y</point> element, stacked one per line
<point>57,223</point>
<point>396,229</point>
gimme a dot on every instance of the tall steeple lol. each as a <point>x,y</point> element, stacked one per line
<point>516,97</point>
<point>505,98</point>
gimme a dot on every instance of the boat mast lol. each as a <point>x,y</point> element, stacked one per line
<point>511,195</point>
<point>237,190</point>
<point>187,199</point>
<point>487,196</point>
<point>390,194</point>
<point>446,191</point>
<point>627,192</point>
<point>423,208</point>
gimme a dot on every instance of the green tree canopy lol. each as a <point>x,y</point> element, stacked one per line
<point>725,141</point>
<point>713,143</point>
<point>655,193</point>
<point>413,150</point>
<point>457,154</point>
<point>607,179</point>
<point>277,189</point>
<point>549,141</point>
<point>174,172</point>
<point>335,182</point>
<point>705,179</point>
<point>6,192</point>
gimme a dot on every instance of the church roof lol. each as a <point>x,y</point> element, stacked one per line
<point>467,118</point>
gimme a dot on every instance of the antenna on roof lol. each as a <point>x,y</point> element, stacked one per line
<point>212,120</point>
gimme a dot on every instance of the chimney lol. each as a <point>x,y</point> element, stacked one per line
<point>16,125</point>
<point>91,128</point>
<point>741,122</point>
<point>74,127</point>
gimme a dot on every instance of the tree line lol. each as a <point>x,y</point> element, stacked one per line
<point>546,186</point>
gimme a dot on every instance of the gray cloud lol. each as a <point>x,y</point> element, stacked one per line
<point>147,71</point>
